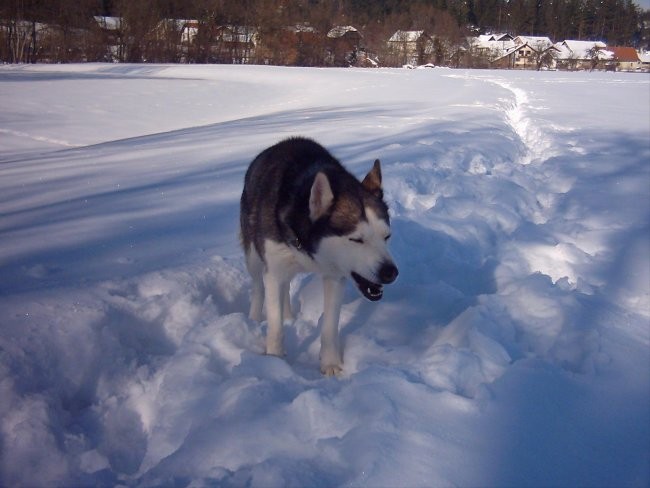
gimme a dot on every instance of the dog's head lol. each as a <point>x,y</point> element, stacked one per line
<point>356,227</point>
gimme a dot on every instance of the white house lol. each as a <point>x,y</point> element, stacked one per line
<point>644,59</point>
<point>490,46</point>
<point>410,47</point>
<point>528,52</point>
<point>573,55</point>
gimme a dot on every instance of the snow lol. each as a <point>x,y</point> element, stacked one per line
<point>513,350</point>
<point>340,31</point>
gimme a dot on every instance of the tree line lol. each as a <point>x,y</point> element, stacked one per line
<point>293,31</point>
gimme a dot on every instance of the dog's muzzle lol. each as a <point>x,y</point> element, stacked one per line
<point>375,291</point>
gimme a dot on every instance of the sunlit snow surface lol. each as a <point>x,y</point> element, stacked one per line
<point>514,349</point>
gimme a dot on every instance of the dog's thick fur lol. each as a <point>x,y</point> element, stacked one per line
<point>302,211</point>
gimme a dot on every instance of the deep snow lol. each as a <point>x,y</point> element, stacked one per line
<point>514,349</point>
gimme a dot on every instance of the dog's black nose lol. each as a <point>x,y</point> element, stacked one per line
<point>388,273</point>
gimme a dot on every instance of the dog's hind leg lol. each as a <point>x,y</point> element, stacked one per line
<point>331,360</point>
<point>255,267</point>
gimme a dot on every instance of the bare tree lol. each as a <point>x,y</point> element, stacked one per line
<point>68,29</point>
<point>139,21</point>
<point>595,57</point>
<point>19,39</point>
<point>19,31</point>
<point>543,54</point>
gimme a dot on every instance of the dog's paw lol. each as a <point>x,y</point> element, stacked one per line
<point>331,362</point>
<point>331,369</point>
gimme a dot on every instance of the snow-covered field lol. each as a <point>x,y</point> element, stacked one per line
<point>514,349</point>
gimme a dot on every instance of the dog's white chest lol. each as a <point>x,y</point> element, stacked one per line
<point>287,261</point>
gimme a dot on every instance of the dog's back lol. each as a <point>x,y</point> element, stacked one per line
<point>277,187</point>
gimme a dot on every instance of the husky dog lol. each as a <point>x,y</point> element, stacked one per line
<point>302,211</point>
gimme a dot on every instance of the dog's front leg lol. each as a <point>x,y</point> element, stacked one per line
<point>287,314</point>
<point>273,289</point>
<point>331,360</point>
<point>255,267</point>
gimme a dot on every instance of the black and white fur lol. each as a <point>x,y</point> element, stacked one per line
<point>302,211</point>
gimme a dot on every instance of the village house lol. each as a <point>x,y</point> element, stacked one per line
<point>625,58</point>
<point>491,46</point>
<point>482,50</point>
<point>188,30</point>
<point>409,48</point>
<point>343,44</point>
<point>112,32</point>
<point>644,61</point>
<point>580,55</point>
<point>109,25</point>
<point>184,31</point>
<point>528,52</point>
<point>235,44</point>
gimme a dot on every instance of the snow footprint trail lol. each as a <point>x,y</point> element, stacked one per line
<point>486,201</point>
<point>537,144</point>
<point>554,262</point>
<point>542,310</point>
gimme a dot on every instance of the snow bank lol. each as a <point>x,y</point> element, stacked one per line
<point>513,350</point>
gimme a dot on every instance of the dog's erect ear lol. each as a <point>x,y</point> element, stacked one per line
<point>321,197</point>
<point>372,181</point>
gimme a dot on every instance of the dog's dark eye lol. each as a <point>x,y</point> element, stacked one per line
<point>358,241</point>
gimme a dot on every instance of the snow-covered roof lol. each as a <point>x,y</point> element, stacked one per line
<point>570,49</point>
<point>406,36</point>
<point>489,42</point>
<point>583,45</point>
<point>341,30</point>
<point>534,42</point>
<point>537,44</point>
<point>303,27</point>
<point>605,55</point>
<point>495,37</point>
